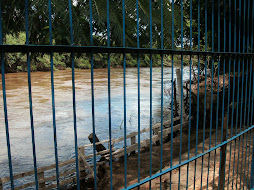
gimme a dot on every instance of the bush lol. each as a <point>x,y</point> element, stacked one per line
<point>82,63</point>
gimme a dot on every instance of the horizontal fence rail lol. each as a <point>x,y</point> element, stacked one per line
<point>177,75</point>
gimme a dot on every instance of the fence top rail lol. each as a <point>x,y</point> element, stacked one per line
<point>103,49</point>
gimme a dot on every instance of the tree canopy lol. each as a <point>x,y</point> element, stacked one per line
<point>13,13</point>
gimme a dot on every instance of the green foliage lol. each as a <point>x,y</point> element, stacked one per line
<point>43,62</point>
<point>17,62</point>
<point>14,60</point>
<point>13,13</point>
<point>19,38</point>
<point>82,63</point>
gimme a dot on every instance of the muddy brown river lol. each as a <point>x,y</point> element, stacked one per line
<point>19,117</point>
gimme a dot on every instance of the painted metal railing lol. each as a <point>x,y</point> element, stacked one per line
<point>238,113</point>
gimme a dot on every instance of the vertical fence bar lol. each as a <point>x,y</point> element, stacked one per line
<point>224,126</point>
<point>239,50</point>
<point>224,68</point>
<point>243,67</point>
<point>246,91</point>
<point>243,73</point>
<point>251,118</point>
<point>239,46</point>
<point>218,84</point>
<point>109,100</point>
<point>229,91</point>
<point>53,94</point>
<point>229,69</point>
<point>138,60</point>
<point>5,103</point>
<point>236,120</point>
<point>247,138</point>
<point>211,110</point>
<point>197,122</point>
<point>249,168</point>
<point>172,95</point>
<point>189,129</point>
<point>232,114</point>
<point>247,60</point>
<point>240,139</point>
<point>204,121</point>
<point>161,148</point>
<point>222,152</point>
<point>151,86</point>
<point>181,101</point>
<point>92,94</point>
<point>30,97</point>
<point>217,112</point>
<point>138,117</point>
<point>251,39</point>
<point>124,94</point>
<point>110,126</point>
<point>250,134</point>
<point>241,114</point>
<point>252,161</point>
<point>250,121</point>
<point>74,102</point>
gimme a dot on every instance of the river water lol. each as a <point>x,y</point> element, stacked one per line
<point>19,118</point>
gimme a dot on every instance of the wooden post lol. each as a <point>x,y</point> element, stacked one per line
<point>223,157</point>
<point>86,164</point>
<point>175,101</point>
<point>180,87</point>
<point>81,163</point>
<point>41,177</point>
<point>98,147</point>
<point>82,167</point>
<point>112,145</point>
<point>112,148</point>
<point>156,132</point>
<point>133,141</point>
<point>187,91</point>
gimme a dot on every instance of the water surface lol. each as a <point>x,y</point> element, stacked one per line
<point>19,116</point>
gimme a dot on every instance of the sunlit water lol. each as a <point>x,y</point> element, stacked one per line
<point>19,116</point>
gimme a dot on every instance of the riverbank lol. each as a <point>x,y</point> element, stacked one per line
<point>17,62</point>
<point>212,95</point>
<point>200,178</point>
